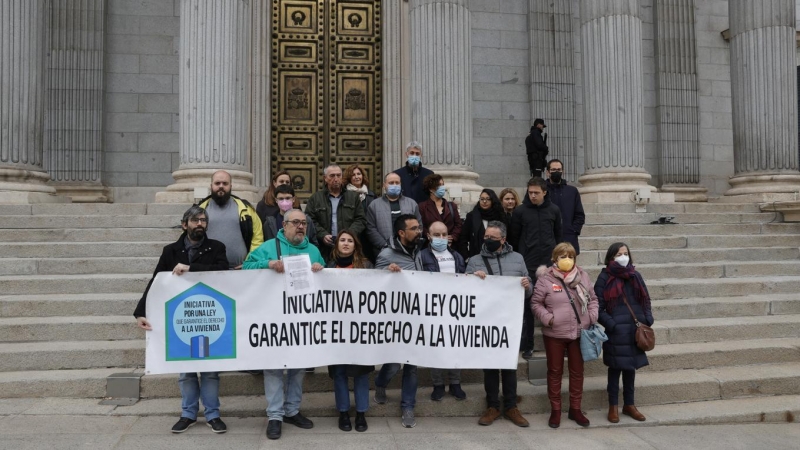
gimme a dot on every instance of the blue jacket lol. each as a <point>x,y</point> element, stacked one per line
<point>411,182</point>
<point>620,350</point>
<point>568,200</point>
<point>426,261</point>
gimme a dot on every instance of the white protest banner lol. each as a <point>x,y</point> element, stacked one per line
<point>243,320</point>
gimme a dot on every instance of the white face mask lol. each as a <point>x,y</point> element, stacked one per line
<point>623,260</point>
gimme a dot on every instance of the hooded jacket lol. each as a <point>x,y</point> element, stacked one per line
<point>568,200</point>
<point>395,253</point>
<point>260,257</point>
<point>506,263</point>
<point>249,222</point>
<point>551,301</point>
<point>535,231</point>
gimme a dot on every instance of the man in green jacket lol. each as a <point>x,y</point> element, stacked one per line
<point>292,241</point>
<point>334,209</point>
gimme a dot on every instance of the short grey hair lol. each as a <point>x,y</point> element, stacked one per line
<point>414,144</point>
<point>286,214</point>
<point>325,170</point>
<point>192,212</point>
<point>499,225</point>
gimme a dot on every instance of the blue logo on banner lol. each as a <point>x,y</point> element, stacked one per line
<point>201,324</point>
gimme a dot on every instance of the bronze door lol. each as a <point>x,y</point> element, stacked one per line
<point>326,96</point>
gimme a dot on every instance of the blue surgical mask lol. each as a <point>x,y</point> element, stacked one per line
<point>413,160</point>
<point>394,190</point>
<point>440,191</point>
<point>439,244</point>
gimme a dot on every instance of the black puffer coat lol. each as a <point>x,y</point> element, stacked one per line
<point>620,351</point>
<point>535,231</point>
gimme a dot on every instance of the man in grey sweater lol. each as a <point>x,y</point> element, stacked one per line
<point>383,211</point>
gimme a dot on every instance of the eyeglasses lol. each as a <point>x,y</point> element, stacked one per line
<point>416,228</point>
<point>298,223</point>
<point>485,200</point>
<point>198,220</point>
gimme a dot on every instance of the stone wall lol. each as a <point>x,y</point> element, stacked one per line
<point>141,128</point>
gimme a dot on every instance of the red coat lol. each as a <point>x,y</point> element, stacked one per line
<point>430,214</point>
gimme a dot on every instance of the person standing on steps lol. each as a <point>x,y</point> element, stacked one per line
<point>474,226</point>
<point>440,257</point>
<point>536,148</point>
<point>510,201</point>
<point>437,209</point>
<point>618,283</point>
<point>285,199</point>
<point>498,258</point>
<point>568,200</point>
<point>232,220</point>
<point>355,179</point>
<point>291,240</point>
<point>412,174</point>
<point>192,252</point>
<point>384,211</point>
<point>268,205</point>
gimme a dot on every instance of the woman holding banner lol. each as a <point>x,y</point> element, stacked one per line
<point>347,254</point>
<point>563,300</point>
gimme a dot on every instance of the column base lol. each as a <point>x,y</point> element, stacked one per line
<point>186,180</point>
<point>763,188</point>
<point>466,180</point>
<point>85,193</point>
<point>20,186</point>
<point>686,192</point>
<point>618,187</point>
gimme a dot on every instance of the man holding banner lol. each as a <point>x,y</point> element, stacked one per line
<point>291,240</point>
<point>192,252</point>
<point>400,254</point>
<point>498,258</point>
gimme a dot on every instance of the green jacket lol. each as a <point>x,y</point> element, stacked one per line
<point>260,257</point>
<point>349,215</point>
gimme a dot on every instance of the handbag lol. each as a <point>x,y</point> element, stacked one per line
<point>645,336</point>
<point>592,338</point>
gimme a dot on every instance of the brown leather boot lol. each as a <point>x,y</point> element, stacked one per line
<point>613,413</point>
<point>489,416</point>
<point>555,418</point>
<point>577,415</point>
<point>515,416</point>
<point>630,410</point>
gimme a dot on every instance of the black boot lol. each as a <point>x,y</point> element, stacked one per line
<point>344,421</point>
<point>361,422</point>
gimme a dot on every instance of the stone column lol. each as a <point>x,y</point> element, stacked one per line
<point>678,113</point>
<point>611,53</point>
<point>261,96</point>
<point>215,97</point>
<point>396,83</point>
<point>764,89</point>
<point>22,67</point>
<point>441,90</point>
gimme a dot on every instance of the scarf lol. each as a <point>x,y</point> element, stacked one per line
<point>490,214</point>
<point>573,280</point>
<point>344,261</point>
<point>616,284</point>
<point>362,191</point>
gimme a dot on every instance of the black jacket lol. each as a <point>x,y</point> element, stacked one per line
<point>536,148</point>
<point>568,200</point>
<point>411,182</point>
<point>210,256</point>
<point>535,231</point>
<point>264,210</point>
<point>472,230</point>
<point>620,350</point>
<point>427,261</point>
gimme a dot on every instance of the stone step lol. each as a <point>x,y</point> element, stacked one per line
<point>54,305</point>
<point>673,208</point>
<point>712,269</point>
<point>693,241</point>
<point>78,328</point>
<point>610,218</point>
<point>73,284</point>
<point>719,307</point>
<point>748,229</point>
<point>673,288</point>
<point>26,356</point>
<point>80,249</point>
<point>92,235</point>
<point>696,255</point>
<point>77,266</point>
<point>88,221</point>
<point>652,388</point>
<point>94,209</point>
<point>726,329</point>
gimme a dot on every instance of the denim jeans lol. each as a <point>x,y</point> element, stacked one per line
<point>408,397</point>
<point>342,392</point>
<point>437,376</point>
<point>192,391</point>
<point>628,378</point>
<point>279,405</point>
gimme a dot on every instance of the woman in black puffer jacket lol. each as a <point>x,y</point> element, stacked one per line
<point>617,282</point>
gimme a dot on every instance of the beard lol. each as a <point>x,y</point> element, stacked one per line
<point>221,197</point>
<point>197,234</point>
<point>297,239</point>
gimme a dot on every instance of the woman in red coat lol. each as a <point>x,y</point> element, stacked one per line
<point>437,209</point>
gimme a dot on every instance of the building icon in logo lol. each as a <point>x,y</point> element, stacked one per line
<point>200,324</point>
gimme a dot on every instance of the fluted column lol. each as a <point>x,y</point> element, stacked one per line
<point>441,89</point>
<point>261,95</point>
<point>764,89</point>
<point>611,52</point>
<point>22,40</point>
<point>678,114</point>
<point>396,83</point>
<point>215,97</point>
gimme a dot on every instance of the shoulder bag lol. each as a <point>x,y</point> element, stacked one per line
<point>645,336</point>
<point>592,338</point>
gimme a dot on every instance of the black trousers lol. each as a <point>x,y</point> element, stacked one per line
<point>527,327</point>
<point>628,380</point>
<point>491,383</point>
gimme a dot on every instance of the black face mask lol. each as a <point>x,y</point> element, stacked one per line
<point>555,177</point>
<point>491,245</point>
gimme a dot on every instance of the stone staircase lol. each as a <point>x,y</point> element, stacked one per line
<point>725,282</point>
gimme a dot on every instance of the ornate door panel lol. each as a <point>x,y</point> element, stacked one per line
<point>326,96</point>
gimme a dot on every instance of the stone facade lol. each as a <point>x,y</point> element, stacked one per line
<point>526,61</point>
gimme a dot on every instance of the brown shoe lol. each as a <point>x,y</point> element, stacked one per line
<point>613,413</point>
<point>489,416</point>
<point>555,418</point>
<point>515,416</point>
<point>630,410</point>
